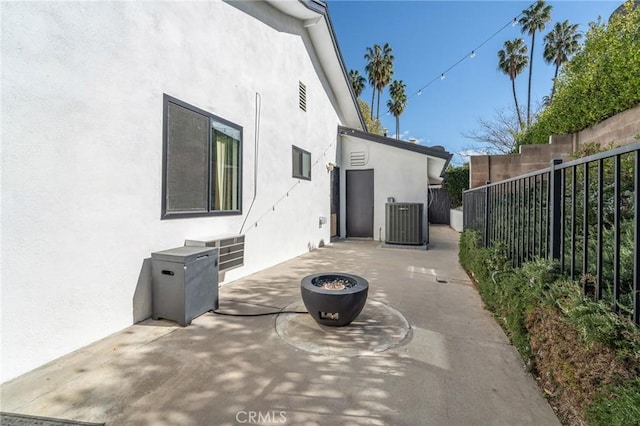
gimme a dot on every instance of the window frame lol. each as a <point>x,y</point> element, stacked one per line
<point>293,154</point>
<point>210,170</point>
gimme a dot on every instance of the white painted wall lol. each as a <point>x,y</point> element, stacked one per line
<point>456,219</point>
<point>82,88</point>
<point>397,173</point>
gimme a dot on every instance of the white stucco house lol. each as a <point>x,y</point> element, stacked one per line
<point>130,127</point>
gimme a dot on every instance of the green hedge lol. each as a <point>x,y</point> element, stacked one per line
<point>590,355</point>
<point>599,81</point>
<point>456,182</point>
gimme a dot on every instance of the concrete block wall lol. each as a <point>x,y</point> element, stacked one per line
<point>621,129</point>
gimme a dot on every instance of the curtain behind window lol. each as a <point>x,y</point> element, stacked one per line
<point>225,171</point>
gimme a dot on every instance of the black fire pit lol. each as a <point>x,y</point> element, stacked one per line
<point>334,298</point>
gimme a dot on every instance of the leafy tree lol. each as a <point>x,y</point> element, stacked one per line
<point>398,102</point>
<point>599,81</point>
<point>512,60</point>
<point>373,124</point>
<point>357,82</point>
<point>559,44</point>
<point>534,19</point>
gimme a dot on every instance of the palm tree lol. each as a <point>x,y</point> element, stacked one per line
<point>560,43</point>
<point>398,102</point>
<point>385,73</point>
<point>357,82</point>
<point>374,59</point>
<point>512,60</point>
<point>534,18</point>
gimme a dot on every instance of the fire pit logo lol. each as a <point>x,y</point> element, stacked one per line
<point>261,417</point>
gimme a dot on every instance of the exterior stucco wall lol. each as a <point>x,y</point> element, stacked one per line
<point>82,90</point>
<point>397,173</point>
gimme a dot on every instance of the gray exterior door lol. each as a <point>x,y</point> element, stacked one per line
<point>359,203</point>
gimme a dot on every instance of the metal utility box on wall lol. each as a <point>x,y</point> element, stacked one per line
<point>184,283</point>
<point>404,223</point>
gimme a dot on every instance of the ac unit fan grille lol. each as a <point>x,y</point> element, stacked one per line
<point>404,223</point>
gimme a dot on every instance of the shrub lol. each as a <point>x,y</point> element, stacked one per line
<point>456,182</point>
<point>616,405</point>
<point>584,356</point>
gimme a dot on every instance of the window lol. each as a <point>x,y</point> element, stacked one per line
<point>301,163</point>
<point>202,158</point>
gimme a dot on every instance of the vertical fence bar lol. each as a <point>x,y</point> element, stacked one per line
<point>494,212</point>
<point>585,227</point>
<point>500,227</point>
<point>548,217</point>
<point>636,235</point>
<point>530,225</point>
<point>516,218</point>
<point>503,216</point>
<point>514,222</point>
<point>616,233</point>
<point>512,225</point>
<point>555,217</point>
<point>600,281</point>
<point>573,222</point>
<point>563,173</point>
<point>536,248</point>
<point>541,214</point>
<point>521,221</point>
<point>487,209</point>
<point>525,234</point>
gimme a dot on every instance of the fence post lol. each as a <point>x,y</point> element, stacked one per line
<point>555,184</point>
<point>487,209</point>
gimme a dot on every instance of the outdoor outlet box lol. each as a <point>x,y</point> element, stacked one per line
<point>184,283</point>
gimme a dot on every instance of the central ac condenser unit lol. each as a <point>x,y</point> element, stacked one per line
<point>404,223</point>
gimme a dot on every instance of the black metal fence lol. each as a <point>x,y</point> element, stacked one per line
<point>583,213</point>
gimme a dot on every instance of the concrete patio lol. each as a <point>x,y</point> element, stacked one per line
<point>454,366</point>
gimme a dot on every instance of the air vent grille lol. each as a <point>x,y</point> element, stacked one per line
<point>230,250</point>
<point>302,90</point>
<point>357,158</point>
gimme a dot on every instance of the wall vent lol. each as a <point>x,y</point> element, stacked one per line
<point>404,223</point>
<point>230,250</point>
<point>302,95</point>
<point>357,158</point>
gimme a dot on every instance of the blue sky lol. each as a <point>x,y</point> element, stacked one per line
<point>428,37</point>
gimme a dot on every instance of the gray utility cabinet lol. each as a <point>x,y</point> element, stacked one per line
<point>184,283</point>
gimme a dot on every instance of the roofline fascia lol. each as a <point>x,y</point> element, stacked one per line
<point>421,149</point>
